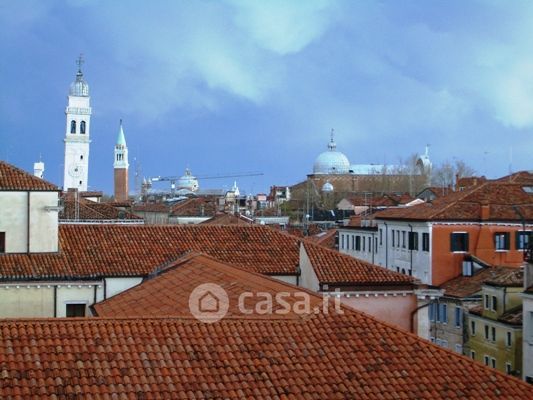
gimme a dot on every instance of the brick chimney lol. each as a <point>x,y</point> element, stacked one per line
<point>485,210</point>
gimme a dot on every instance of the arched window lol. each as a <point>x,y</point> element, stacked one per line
<point>82,127</point>
<point>72,126</point>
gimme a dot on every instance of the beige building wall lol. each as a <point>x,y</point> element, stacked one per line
<point>24,216</point>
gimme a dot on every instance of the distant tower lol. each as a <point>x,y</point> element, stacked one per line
<point>77,137</point>
<point>121,167</point>
<point>38,169</point>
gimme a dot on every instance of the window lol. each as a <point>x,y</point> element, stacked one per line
<point>413,240</point>
<point>442,313</point>
<point>508,368</point>
<point>486,360</point>
<point>375,245</point>
<point>82,127</point>
<point>459,348</point>
<point>342,241</point>
<point>493,362</point>
<point>486,332</point>
<point>459,241</point>
<point>487,302</point>
<point>393,239</point>
<point>363,239</point>
<point>425,241</point>
<point>493,333</point>
<point>75,310</point>
<point>494,305</point>
<point>508,339</point>
<point>369,244</point>
<point>501,241</point>
<point>523,238</point>
<point>2,242</point>
<point>81,157</point>
<point>380,237</point>
<point>458,317</point>
<point>472,354</point>
<point>72,126</point>
<point>358,243</point>
<point>398,238</point>
<point>432,311</point>
<point>473,328</point>
<point>403,239</point>
<point>353,242</point>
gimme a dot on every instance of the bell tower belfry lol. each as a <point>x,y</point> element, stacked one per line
<point>121,166</point>
<point>77,133</point>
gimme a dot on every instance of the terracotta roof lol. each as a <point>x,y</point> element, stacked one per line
<point>513,316</point>
<point>320,357</point>
<point>135,250</point>
<point>512,278</point>
<point>151,207</point>
<point>325,238</point>
<point>227,219</point>
<point>465,286</point>
<point>385,200</point>
<point>168,293</point>
<point>90,210</point>
<point>195,207</point>
<point>522,177</point>
<point>13,179</point>
<point>332,267</point>
<point>501,197</point>
<point>438,191</point>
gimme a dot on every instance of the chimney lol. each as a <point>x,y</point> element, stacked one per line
<point>485,210</point>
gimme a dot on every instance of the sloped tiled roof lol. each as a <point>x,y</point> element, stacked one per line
<point>13,179</point>
<point>464,286</point>
<point>168,293</point>
<point>513,316</point>
<point>151,207</point>
<point>512,278</point>
<point>88,251</point>
<point>90,210</point>
<point>119,250</point>
<point>332,267</point>
<point>319,357</point>
<point>227,219</point>
<point>502,198</point>
<point>325,238</point>
<point>195,207</point>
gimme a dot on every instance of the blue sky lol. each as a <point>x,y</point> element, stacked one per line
<point>231,86</point>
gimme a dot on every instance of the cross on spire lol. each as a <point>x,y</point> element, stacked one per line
<point>332,134</point>
<point>79,62</point>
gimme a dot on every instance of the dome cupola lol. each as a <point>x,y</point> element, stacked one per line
<point>331,161</point>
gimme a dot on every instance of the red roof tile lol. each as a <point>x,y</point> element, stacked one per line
<point>13,179</point>
<point>83,209</point>
<point>465,286</point>
<point>227,219</point>
<point>502,198</point>
<point>168,293</point>
<point>195,207</point>
<point>119,250</point>
<point>325,238</point>
<point>320,357</point>
<point>332,267</point>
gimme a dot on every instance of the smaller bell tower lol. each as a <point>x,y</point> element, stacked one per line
<point>121,166</point>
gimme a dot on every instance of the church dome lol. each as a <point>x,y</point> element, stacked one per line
<point>79,87</point>
<point>331,161</point>
<point>187,181</point>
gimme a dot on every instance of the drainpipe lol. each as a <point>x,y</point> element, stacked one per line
<point>55,301</point>
<point>386,245</point>
<point>415,311</point>
<point>28,222</point>
<point>411,250</point>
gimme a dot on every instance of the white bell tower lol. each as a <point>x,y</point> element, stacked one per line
<point>77,134</point>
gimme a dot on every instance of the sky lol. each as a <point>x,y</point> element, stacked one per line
<point>233,86</point>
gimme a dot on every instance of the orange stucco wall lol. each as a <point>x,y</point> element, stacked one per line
<point>447,265</point>
<point>395,310</point>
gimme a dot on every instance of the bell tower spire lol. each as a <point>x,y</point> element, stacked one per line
<point>77,133</point>
<point>121,166</point>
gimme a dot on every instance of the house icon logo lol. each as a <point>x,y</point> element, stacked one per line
<point>208,302</point>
